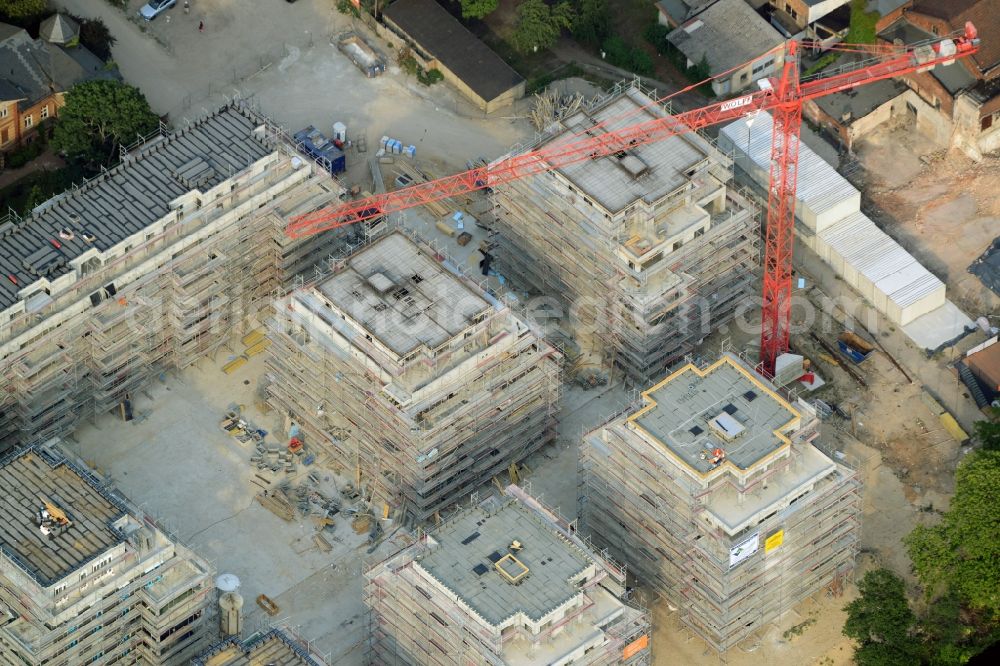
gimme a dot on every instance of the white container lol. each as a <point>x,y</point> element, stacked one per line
<point>340,132</point>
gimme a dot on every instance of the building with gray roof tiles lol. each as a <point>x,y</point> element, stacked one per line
<point>120,203</point>
<point>36,73</point>
<point>504,581</point>
<point>738,44</point>
<point>114,281</point>
<point>735,509</point>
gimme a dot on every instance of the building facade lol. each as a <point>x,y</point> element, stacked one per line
<point>957,105</point>
<point>505,581</point>
<point>642,254</point>
<point>35,75</point>
<point>148,267</point>
<point>716,494</point>
<point>103,587</point>
<point>418,381</point>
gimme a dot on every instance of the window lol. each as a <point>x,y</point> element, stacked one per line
<point>45,112</point>
<point>29,121</point>
<point>3,112</point>
<point>986,122</point>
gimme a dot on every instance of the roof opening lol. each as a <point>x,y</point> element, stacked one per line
<point>512,569</point>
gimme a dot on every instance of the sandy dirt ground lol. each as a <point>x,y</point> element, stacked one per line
<point>281,55</point>
<point>938,204</point>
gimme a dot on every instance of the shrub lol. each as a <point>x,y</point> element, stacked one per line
<point>345,7</point>
<point>656,34</point>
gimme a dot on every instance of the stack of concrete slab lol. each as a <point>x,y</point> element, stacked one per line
<point>828,209</point>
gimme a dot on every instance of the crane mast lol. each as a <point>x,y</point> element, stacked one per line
<point>782,96</point>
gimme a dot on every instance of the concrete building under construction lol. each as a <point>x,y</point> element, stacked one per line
<point>422,384</point>
<point>717,494</point>
<point>150,266</point>
<point>648,250</point>
<point>84,578</point>
<point>505,581</point>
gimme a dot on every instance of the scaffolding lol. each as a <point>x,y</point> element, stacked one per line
<point>421,428</point>
<point>417,618</point>
<point>644,279</point>
<point>119,591</point>
<point>177,297</point>
<point>799,505</point>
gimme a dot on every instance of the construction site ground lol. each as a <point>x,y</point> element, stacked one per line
<point>176,462</point>
<point>296,76</point>
<point>937,203</point>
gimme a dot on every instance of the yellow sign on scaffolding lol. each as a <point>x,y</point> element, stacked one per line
<point>774,541</point>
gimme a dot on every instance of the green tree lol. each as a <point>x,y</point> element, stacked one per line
<point>962,553</point>
<point>880,620</point>
<point>656,34</point>
<point>19,9</point>
<point>592,24</point>
<point>478,9</point>
<point>539,25</point>
<point>862,26</point>
<point>98,117</point>
<point>700,71</point>
<point>95,36</point>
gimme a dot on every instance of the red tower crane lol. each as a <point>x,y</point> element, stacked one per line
<point>782,96</point>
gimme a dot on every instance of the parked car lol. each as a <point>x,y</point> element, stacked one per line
<point>154,8</point>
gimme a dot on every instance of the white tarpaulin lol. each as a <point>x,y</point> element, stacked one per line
<point>744,549</point>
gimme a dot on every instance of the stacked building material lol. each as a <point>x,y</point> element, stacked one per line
<point>411,376</point>
<point>506,581</point>
<point>717,495</point>
<point>100,583</point>
<point>648,250</point>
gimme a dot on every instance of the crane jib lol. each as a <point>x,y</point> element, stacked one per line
<point>735,103</point>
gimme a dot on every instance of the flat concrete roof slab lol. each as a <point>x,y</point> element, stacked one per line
<point>402,296</point>
<point>682,413</point>
<point>938,326</point>
<point>473,542</point>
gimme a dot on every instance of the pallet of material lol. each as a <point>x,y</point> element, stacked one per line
<point>253,337</point>
<point>277,504</point>
<point>235,364</point>
<point>258,347</point>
